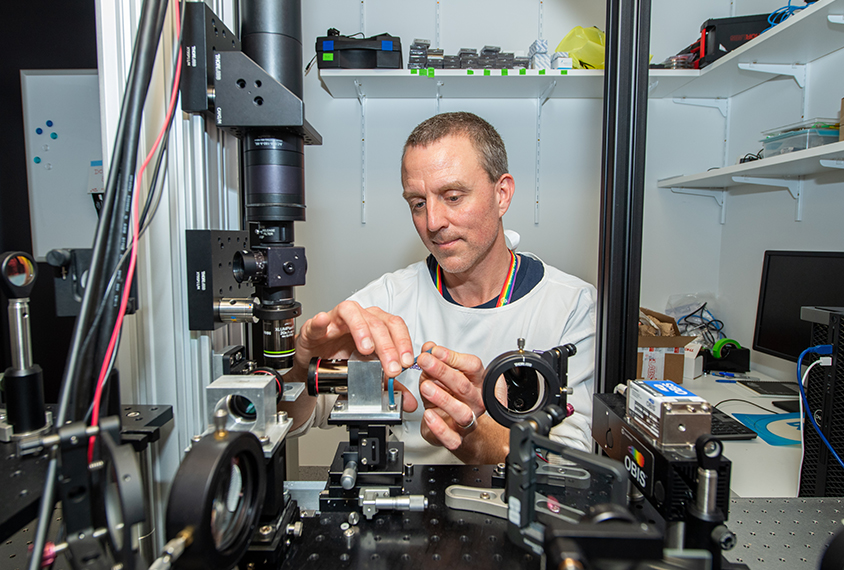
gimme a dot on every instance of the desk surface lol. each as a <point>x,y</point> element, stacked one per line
<point>759,469</point>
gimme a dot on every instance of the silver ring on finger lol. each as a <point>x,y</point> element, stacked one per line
<point>470,425</point>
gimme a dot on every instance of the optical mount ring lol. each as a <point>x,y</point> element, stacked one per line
<point>200,497</point>
<point>519,359</point>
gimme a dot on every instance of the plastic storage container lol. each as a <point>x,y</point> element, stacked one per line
<point>802,139</point>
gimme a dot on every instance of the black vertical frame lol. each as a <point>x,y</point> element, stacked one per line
<point>622,190</point>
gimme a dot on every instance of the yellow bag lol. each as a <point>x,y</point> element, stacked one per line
<point>585,46</point>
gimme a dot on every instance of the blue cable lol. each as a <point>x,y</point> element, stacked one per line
<point>780,15</point>
<point>390,390</point>
<point>820,349</point>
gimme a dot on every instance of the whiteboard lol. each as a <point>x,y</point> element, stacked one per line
<point>61,113</point>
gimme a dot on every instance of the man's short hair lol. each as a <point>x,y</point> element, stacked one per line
<point>484,137</point>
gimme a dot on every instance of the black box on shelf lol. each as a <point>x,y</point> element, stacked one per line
<point>719,36</point>
<point>342,52</point>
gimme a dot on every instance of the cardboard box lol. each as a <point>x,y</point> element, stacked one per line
<point>662,357</point>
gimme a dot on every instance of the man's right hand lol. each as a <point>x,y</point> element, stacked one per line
<point>349,327</point>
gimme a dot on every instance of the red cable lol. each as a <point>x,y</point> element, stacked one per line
<point>124,299</point>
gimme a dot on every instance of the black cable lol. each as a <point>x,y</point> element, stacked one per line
<point>746,402</point>
<point>118,225</point>
<point>121,221</point>
<point>151,22</point>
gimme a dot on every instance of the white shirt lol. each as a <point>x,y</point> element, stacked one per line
<point>560,309</point>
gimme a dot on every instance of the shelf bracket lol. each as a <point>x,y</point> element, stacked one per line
<point>836,18</point>
<point>362,100</point>
<point>540,102</point>
<point>794,186</point>
<point>720,104</point>
<point>546,93</point>
<point>832,163</point>
<point>717,194</point>
<point>439,95</point>
<point>797,70</point>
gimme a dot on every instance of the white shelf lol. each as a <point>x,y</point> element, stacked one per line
<point>803,38</point>
<point>460,83</point>
<point>799,40</point>
<point>784,166</point>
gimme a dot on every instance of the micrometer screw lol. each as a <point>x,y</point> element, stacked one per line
<point>521,344</point>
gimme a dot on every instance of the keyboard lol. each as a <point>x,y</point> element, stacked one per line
<point>726,427</point>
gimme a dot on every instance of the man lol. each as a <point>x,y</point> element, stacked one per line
<point>469,302</point>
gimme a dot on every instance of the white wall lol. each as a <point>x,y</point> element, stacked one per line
<point>759,220</point>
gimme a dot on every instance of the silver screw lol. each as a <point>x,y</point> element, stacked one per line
<point>392,454</point>
<point>295,529</point>
<point>338,405</point>
<point>521,344</point>
<point>408,468</point>
<point>393,407</point>
<point>265,530</point>
<point>344,526</point>
<point>220,420</point>
<point>282,417</point>
<point>264,439</point>
<point>133,414</point>
<point>363,461</point>
<point>484,495</point>
<point>354,517</point>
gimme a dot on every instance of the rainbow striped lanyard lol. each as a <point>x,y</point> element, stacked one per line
<point>509,284</point>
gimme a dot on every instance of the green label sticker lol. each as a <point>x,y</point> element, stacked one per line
<point>328,57</point>
<point>430,72</point>
<point>486,72</point>
<point>503,72</point>
<point>470,72</point>
<point>523,72</point>
<point>541,72</point>
<point>414,71</point>
<point>564,72</point>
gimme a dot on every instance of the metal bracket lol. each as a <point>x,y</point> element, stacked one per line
<point>439,95</point>
<point>720,104</point>
<point>832,163</point>
<point>362,101</point>
<point>797,70</point>
<point>719,195</point>
<point>794,186</point>
<point>836,18</point>
<point>540,102</point>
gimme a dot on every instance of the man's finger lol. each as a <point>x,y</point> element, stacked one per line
<point>454,380</point>
<point>469,364</point>
<point>408,400</point>
<point>460,412</point>
<point>440,429</point>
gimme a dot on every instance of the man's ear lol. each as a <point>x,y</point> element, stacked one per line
<point>505,188</point>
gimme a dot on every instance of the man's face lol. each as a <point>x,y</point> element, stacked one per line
<point>455,207</point>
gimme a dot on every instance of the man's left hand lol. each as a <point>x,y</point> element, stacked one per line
<point>451,389</point>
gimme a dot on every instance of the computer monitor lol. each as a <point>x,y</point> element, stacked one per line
<point>790,280</point>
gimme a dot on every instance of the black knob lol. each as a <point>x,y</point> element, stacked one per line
<point>58,257</point>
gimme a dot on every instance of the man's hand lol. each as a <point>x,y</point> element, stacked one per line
<point>451,388</point>
<point>349,327</point>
